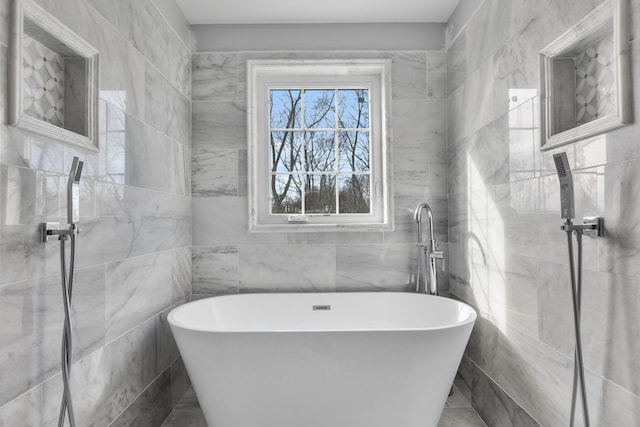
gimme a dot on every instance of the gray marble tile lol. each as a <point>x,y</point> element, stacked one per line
<point>131,361</point>
<point>167,222</point>
<point>524,362</point>
<point>219,125</point>
<point>488,155</point>
<point>166,109</point>
<point>489,32</point>
<point>109,199</point>
<point>417,145</point>
<point>22,196</point>
<point>87,395</point>
<point>287,268</point>
<point>385,267</point>
<point>180,65</point>
<point>334,238</point>
<point>166,348</point>
<point>457,166</point>
<point>4,23</point>
<point>120,15</point>
<point>215,77</point>
<point>108,240</point>
<point>411,172</point>
<point>215,172</point>
<point>518,296</point>
<point>610,326</point>
<point>176,19</point>
<point>223,221</point>
<point>619,250</point>
<point>137,288</point>
<point>188,413</point>
<point>215,270</point>
<point>457,399</point>
<point>123,81</point>
<point>146,157</point>
<point>150,34</point>
<point>181,274</point>
<point>495,406</point>
<point>436,74</point>
<point>180,382</point>
<point>635,20</point>
<point>609,403</point>
<point>515,71</point>
<point>151,408</point>
<point>456,63</point>
<point>409,70</point>
<point>242,173</point>
<point>27,410</point>
<point>32,316</point>
<point>482,348</point>
<point>23,149</point>
<point>460,417</point>
<point>438,175</point>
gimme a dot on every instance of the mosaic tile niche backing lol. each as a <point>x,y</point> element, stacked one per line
<point>595,83</point>
<point>43,74</point>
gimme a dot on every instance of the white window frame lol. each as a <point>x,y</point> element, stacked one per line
<point>264,75</point>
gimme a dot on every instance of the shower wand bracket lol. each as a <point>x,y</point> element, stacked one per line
<point>51,229</point>
<point>591,225</point>
<point>48,230</point>
<point>595,224</point>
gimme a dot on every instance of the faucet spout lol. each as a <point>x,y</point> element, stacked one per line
<point>428,250</point>
<point>417,217</point>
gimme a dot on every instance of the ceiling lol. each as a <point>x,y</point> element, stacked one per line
<point>318,11</point>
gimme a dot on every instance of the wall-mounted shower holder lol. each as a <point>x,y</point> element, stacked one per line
<point>51,229</point>
<point>591,225</point>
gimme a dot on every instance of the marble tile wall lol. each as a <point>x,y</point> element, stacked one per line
<point>228,259</point>
<point>134,252</point>
<point>508,256</point>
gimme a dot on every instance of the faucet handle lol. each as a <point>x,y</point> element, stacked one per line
<point>440,255</point>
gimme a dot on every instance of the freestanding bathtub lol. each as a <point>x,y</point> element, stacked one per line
<point>371,359</point>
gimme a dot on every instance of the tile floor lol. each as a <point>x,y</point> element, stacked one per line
<point>457,413</point>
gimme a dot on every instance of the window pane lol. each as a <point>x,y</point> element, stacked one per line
<point>319,108</point>
<point>354,194</point>
<point>286,197</point>
<point>285,109</point>
<point>320,151</point>
<point>354,151</point>
<point>353,108</point>
<point>320,195</point>
<point>286,151</point>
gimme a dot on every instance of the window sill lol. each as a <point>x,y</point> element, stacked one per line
<point>318,228</point>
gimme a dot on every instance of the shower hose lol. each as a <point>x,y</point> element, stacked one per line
<point>66,406</point>
<point>576,291</point>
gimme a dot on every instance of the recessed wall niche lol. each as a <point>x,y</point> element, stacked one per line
<point>53,76</point>
<point>585,83</point>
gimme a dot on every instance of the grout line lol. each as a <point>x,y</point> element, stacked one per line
<point>138,396</point>
<point>464,26</point>
<point>175,31</point>
<point>502,390</point>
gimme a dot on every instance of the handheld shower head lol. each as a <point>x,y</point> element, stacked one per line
<point>73,191</point>
<point>566,185</point>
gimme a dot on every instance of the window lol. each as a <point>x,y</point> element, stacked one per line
<point>317,145</point>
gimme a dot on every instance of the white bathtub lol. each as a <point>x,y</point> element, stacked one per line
<point>369,359</point>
